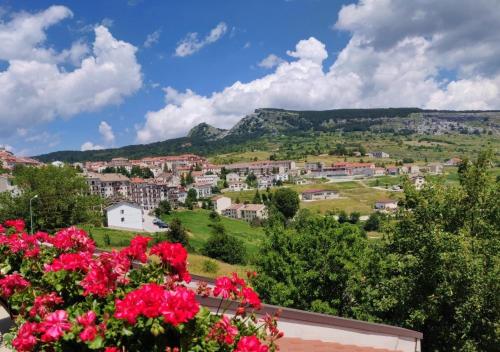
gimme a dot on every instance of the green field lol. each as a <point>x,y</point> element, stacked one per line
<point>197,224</point>
<point>119,239</point>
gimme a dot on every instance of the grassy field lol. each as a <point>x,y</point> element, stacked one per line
<point>359,199</point>
<point>197,263</point>
<point>197,224</point>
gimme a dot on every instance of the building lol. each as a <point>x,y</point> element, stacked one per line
<point>6,184</point>
<point>234,211</point>
<point>453,162</point>
<point>9,160</point>
<point>386,204</point>
<point>108,185</point>
<point>232,177</point>
<point>379,171</point>
<point>250,212</point>
<point>314,166</point>
<point>146,193</point>
<point>126,216</point>
<point>266,167</point>
<point>264,182</point>
<point>238,186</point>
<point>315,332</point>
<point>435,168</point>
<point>211,179</point>
<point>281,177</point>
<point>319,194</point>
<point>418,182</point>
<point>203,190</point>
<point>221,203</point>
<point>392,170</point>
<point>380,155</point>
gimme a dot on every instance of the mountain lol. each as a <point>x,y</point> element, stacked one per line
<point>205,139</point>
<point>206,132</point>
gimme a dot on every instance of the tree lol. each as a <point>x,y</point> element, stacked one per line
<point>373,222</point>
<point>164,208</point>
<point>251,180</point>
<point>439,266</point>
<point>62,198</point>
<point>354,217</point>
<point>192,197</point>
<point>257,198</point>
<point>189,178</point>
<point>314,264</point>
<point>177,233</point>
<point>343,218</point>
<point>220,245</point>
<point>286,201</point>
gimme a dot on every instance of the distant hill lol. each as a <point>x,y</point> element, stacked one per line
<point>205,139</point>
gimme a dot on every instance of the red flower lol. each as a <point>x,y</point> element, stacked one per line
<point>54,325</point>
<point>26,337</point>
<point>72,238</point>
<point>2,229</point>
<point>179,306</point>
<point>223,331</point>
<point>70,262</point>
<point>250,344</point>
<point>137,248</point>
<point>12,283</point>
<point>87,319</point>
<point>17,224</point>
<point>250,297</point>
<point>44,303</point>
<point>152,300</point>
<point>175,255</point>
<point>89,333</point>
<point>105,272</point>
<point>111,349</point>
<point>224,286</point>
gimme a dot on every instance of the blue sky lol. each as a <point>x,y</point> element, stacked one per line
<point>384,61</point>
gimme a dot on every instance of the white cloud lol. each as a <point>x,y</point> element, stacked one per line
<point>106,132</point>
<point>395,57</point>
<point>152,38</point>
<point>90,146</point>
<point>270,61</point>
<point>191,43</point>
<point>34,89</point>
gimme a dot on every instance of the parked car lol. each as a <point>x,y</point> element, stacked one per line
<point>161,224</point>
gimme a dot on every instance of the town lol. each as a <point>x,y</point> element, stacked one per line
<point>139,186</point>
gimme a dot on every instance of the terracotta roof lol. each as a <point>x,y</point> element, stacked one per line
<point>254,207</point>
<point>293,344</point>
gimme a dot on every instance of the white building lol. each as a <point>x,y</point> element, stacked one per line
<point>319,194</point>
<point>380,154</point>
<point>281,177</point>
<point>211,179</point>
<point>221,203</point>
<point>250,212</point>
<point>386,204</point>
<point>418,182</point>
<point>232,177</point>
<point>203,190</point>
<point>238,186</point>
<point>126,216</point>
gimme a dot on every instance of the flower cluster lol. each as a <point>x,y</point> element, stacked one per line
<point>236,288</point>
<point>152,300</point>
<point>12,283</point>
<point>175,256</point>
<point>67,297</point>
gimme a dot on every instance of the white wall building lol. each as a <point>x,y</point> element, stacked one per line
<point>126,216</point>
<point>221,203</point>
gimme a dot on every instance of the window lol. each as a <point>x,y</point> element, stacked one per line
<point>123,219</point>
<point>122,211</point>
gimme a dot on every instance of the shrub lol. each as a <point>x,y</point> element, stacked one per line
<point>223,246</point>
<point>210,266</point>
<point>65,298</point>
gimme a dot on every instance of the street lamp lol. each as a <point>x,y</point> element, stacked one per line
<point>31,212</point>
